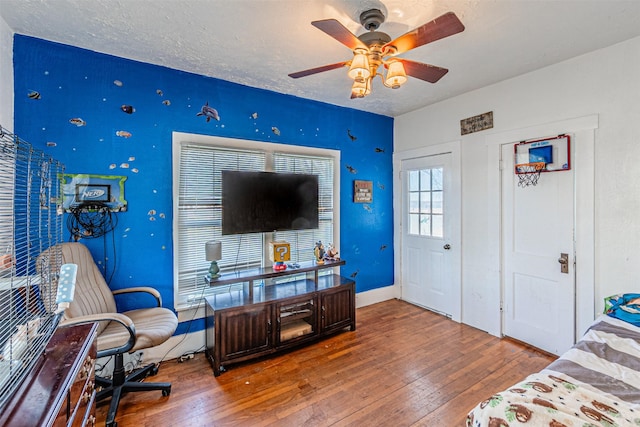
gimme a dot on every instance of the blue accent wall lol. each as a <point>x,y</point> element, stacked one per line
<point>68,102</point>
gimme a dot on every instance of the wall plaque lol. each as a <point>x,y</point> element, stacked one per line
<point>362,191</point>
<point>476,123</point>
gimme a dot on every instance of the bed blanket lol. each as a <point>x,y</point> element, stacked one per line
<point>596,383</point>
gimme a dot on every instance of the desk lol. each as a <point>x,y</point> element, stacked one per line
<point>60,390</point>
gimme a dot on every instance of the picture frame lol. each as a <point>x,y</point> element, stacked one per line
<point>362,191</point>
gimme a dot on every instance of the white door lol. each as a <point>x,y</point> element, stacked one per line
<point>430,234</point>
<point>537,227</point>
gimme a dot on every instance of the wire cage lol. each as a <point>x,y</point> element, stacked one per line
<point>30,222</point>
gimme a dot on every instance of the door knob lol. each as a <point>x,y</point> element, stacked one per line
<point>447,247</point>
<point>564,263</point>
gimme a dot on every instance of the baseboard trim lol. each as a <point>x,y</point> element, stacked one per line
<point>375,296</point>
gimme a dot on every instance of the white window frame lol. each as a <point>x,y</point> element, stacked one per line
<point>188,310</point>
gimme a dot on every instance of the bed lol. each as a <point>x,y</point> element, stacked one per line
<point>595,383</point>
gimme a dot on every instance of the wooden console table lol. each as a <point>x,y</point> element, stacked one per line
<point>60,390</point>
<point>257,320</point>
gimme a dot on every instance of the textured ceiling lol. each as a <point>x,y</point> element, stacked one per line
<point>258,42</point>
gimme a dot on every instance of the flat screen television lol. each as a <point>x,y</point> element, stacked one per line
<point>255,202</point>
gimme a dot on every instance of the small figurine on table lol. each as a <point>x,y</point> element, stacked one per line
<point>279,253</point>
<point>318,251</point>
<point>332,253</point>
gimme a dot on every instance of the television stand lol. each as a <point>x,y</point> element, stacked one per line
<point>275,310</point>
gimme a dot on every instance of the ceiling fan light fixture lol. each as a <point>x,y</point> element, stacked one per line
<point>359,69</point>
<point>361,89</point>
<point>374,48</point>
<point>396,76</point>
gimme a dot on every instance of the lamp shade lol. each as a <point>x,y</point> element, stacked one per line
<point>361,89</point>
<point>396,76</point>
<point>359,69</point>
<point>213,250</point>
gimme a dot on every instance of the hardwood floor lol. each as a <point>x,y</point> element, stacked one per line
<point>403,366</point>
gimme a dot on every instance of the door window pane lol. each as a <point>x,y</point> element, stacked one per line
<point>436,179</point>
<point>425,179</point>
<point>426,202</point>
<point>414,224</point>
<point>414,202</point>
<point>425,225</point>
<point>437,226</point>
<point>414,180</point>
<point>436,202</point>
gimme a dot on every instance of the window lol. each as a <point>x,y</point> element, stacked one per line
<point>303,242</point>
<point>198,165</point>
<point>426,202</point>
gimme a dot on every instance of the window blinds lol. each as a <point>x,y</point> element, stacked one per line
<point>200,213</point>
<point>200,216</point>
<point>303,242</point>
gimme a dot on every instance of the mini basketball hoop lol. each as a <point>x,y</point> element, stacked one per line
<point>529,173</point>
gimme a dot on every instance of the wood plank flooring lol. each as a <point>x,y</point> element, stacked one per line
<point>403,366</point>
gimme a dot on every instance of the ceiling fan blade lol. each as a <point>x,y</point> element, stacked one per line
<point>339,32</point>
<point>441,27</point>
<point>318,70</point>
<point>426,72</point>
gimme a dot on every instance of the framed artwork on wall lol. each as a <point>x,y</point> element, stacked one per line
<point>362,191</point>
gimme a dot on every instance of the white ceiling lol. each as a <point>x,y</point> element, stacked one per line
<point>258,42</point>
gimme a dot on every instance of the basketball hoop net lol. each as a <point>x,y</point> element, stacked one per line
<point>529,173</point>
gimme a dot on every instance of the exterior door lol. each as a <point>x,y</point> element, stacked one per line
<point>537,227</point>
<point>430,220</point>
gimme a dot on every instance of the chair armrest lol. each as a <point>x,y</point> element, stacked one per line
<point>125,321</point>
<point>146,289</point>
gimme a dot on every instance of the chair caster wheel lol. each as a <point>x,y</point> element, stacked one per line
<point>166,392</point>
<point>154,370</point>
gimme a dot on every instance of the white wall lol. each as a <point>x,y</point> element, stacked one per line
<point>6,76</point>
<point>604,83</point>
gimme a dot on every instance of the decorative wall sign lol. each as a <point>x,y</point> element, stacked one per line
<point>476,123</point>
<point>85,188</point>
<point>362,191</point>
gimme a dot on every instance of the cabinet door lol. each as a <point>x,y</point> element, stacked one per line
<point>297,319</point>
<point>337,309</point>
<point>244,331</point>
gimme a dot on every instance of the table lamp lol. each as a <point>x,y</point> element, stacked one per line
<point>213,251</point>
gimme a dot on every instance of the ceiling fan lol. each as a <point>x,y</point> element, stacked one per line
<point>374,49</point>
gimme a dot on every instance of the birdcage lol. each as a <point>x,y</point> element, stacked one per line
<point>30,222</point>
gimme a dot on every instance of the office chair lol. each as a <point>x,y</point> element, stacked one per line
<point>118,333</point>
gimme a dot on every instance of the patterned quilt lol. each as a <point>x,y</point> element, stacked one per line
<point>596,383</point>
